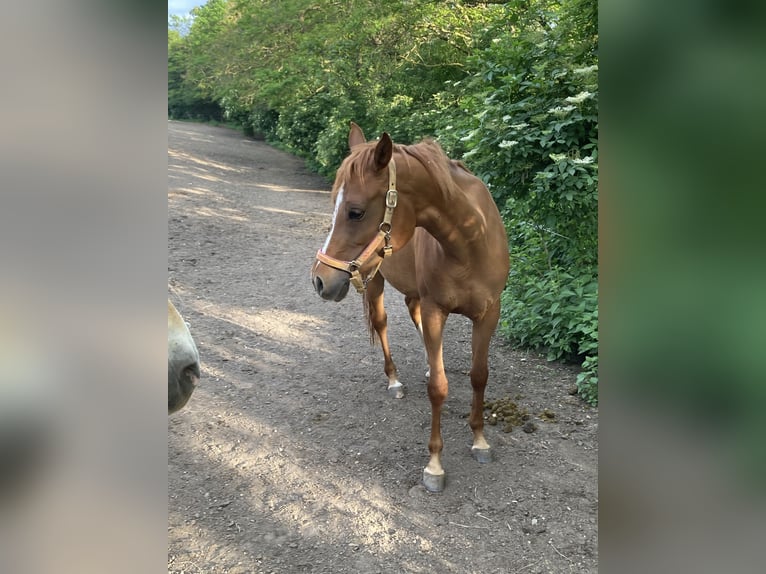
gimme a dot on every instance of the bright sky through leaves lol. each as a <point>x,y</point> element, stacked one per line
<point>182,7</point>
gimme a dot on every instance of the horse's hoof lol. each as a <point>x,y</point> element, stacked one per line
<point>396,391</point>
<point>433,482</point>
<point>482,455</point>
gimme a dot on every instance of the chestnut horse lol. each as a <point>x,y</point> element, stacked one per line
<point>433,231</point>
<point>183,361</point>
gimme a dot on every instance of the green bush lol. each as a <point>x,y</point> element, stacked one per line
<point>557,313</point>
<point>263,121</point>
<point>587,380</point>
<point>332,144</point>
<point>298,126</point>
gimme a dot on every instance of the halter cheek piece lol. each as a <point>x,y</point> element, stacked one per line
<point>382,239</point>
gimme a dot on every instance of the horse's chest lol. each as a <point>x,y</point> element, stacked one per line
<point>454,291</point>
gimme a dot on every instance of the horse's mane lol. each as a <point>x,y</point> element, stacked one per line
<point>431,155</point>
<point>427,152</point>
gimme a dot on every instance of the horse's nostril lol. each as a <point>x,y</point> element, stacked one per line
<point>318,285</point>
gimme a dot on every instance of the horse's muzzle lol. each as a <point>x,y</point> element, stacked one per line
<point>183,378</point>
<point>333,288</point>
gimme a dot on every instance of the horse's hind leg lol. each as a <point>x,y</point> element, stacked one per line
<point>482,333</point>
<point>378,321</point>
<point>413,306</point>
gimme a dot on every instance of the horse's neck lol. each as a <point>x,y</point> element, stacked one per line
<point>454,220</point>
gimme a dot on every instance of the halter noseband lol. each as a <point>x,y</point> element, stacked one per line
<point>383,238</point>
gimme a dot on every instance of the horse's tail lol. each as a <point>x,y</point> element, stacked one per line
<point>374,339</point>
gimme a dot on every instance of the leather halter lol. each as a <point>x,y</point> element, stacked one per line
<point>381,239</point>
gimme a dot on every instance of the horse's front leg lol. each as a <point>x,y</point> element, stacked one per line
<point>482,333</point>
<point>378,324</point>
<point>433,329</point>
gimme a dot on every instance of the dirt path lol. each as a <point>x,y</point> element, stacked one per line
<point>290,457</point>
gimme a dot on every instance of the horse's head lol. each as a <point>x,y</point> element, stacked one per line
<point>362,231</point>
<point>183,361</point>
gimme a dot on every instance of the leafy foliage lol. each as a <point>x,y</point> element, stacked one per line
<point>509,87</point>
<point>186,100</point>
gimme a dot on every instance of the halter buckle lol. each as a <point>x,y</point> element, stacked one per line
<point>392,196</point>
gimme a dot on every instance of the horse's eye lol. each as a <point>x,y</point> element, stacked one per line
<point>355,214</point>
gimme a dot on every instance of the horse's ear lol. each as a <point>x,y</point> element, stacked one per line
<point>383,151</point>
<point>355,136</point>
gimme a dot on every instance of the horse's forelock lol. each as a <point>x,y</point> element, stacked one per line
<point>356,163</point>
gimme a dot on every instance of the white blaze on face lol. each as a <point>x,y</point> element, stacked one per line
<point>338,203</point>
